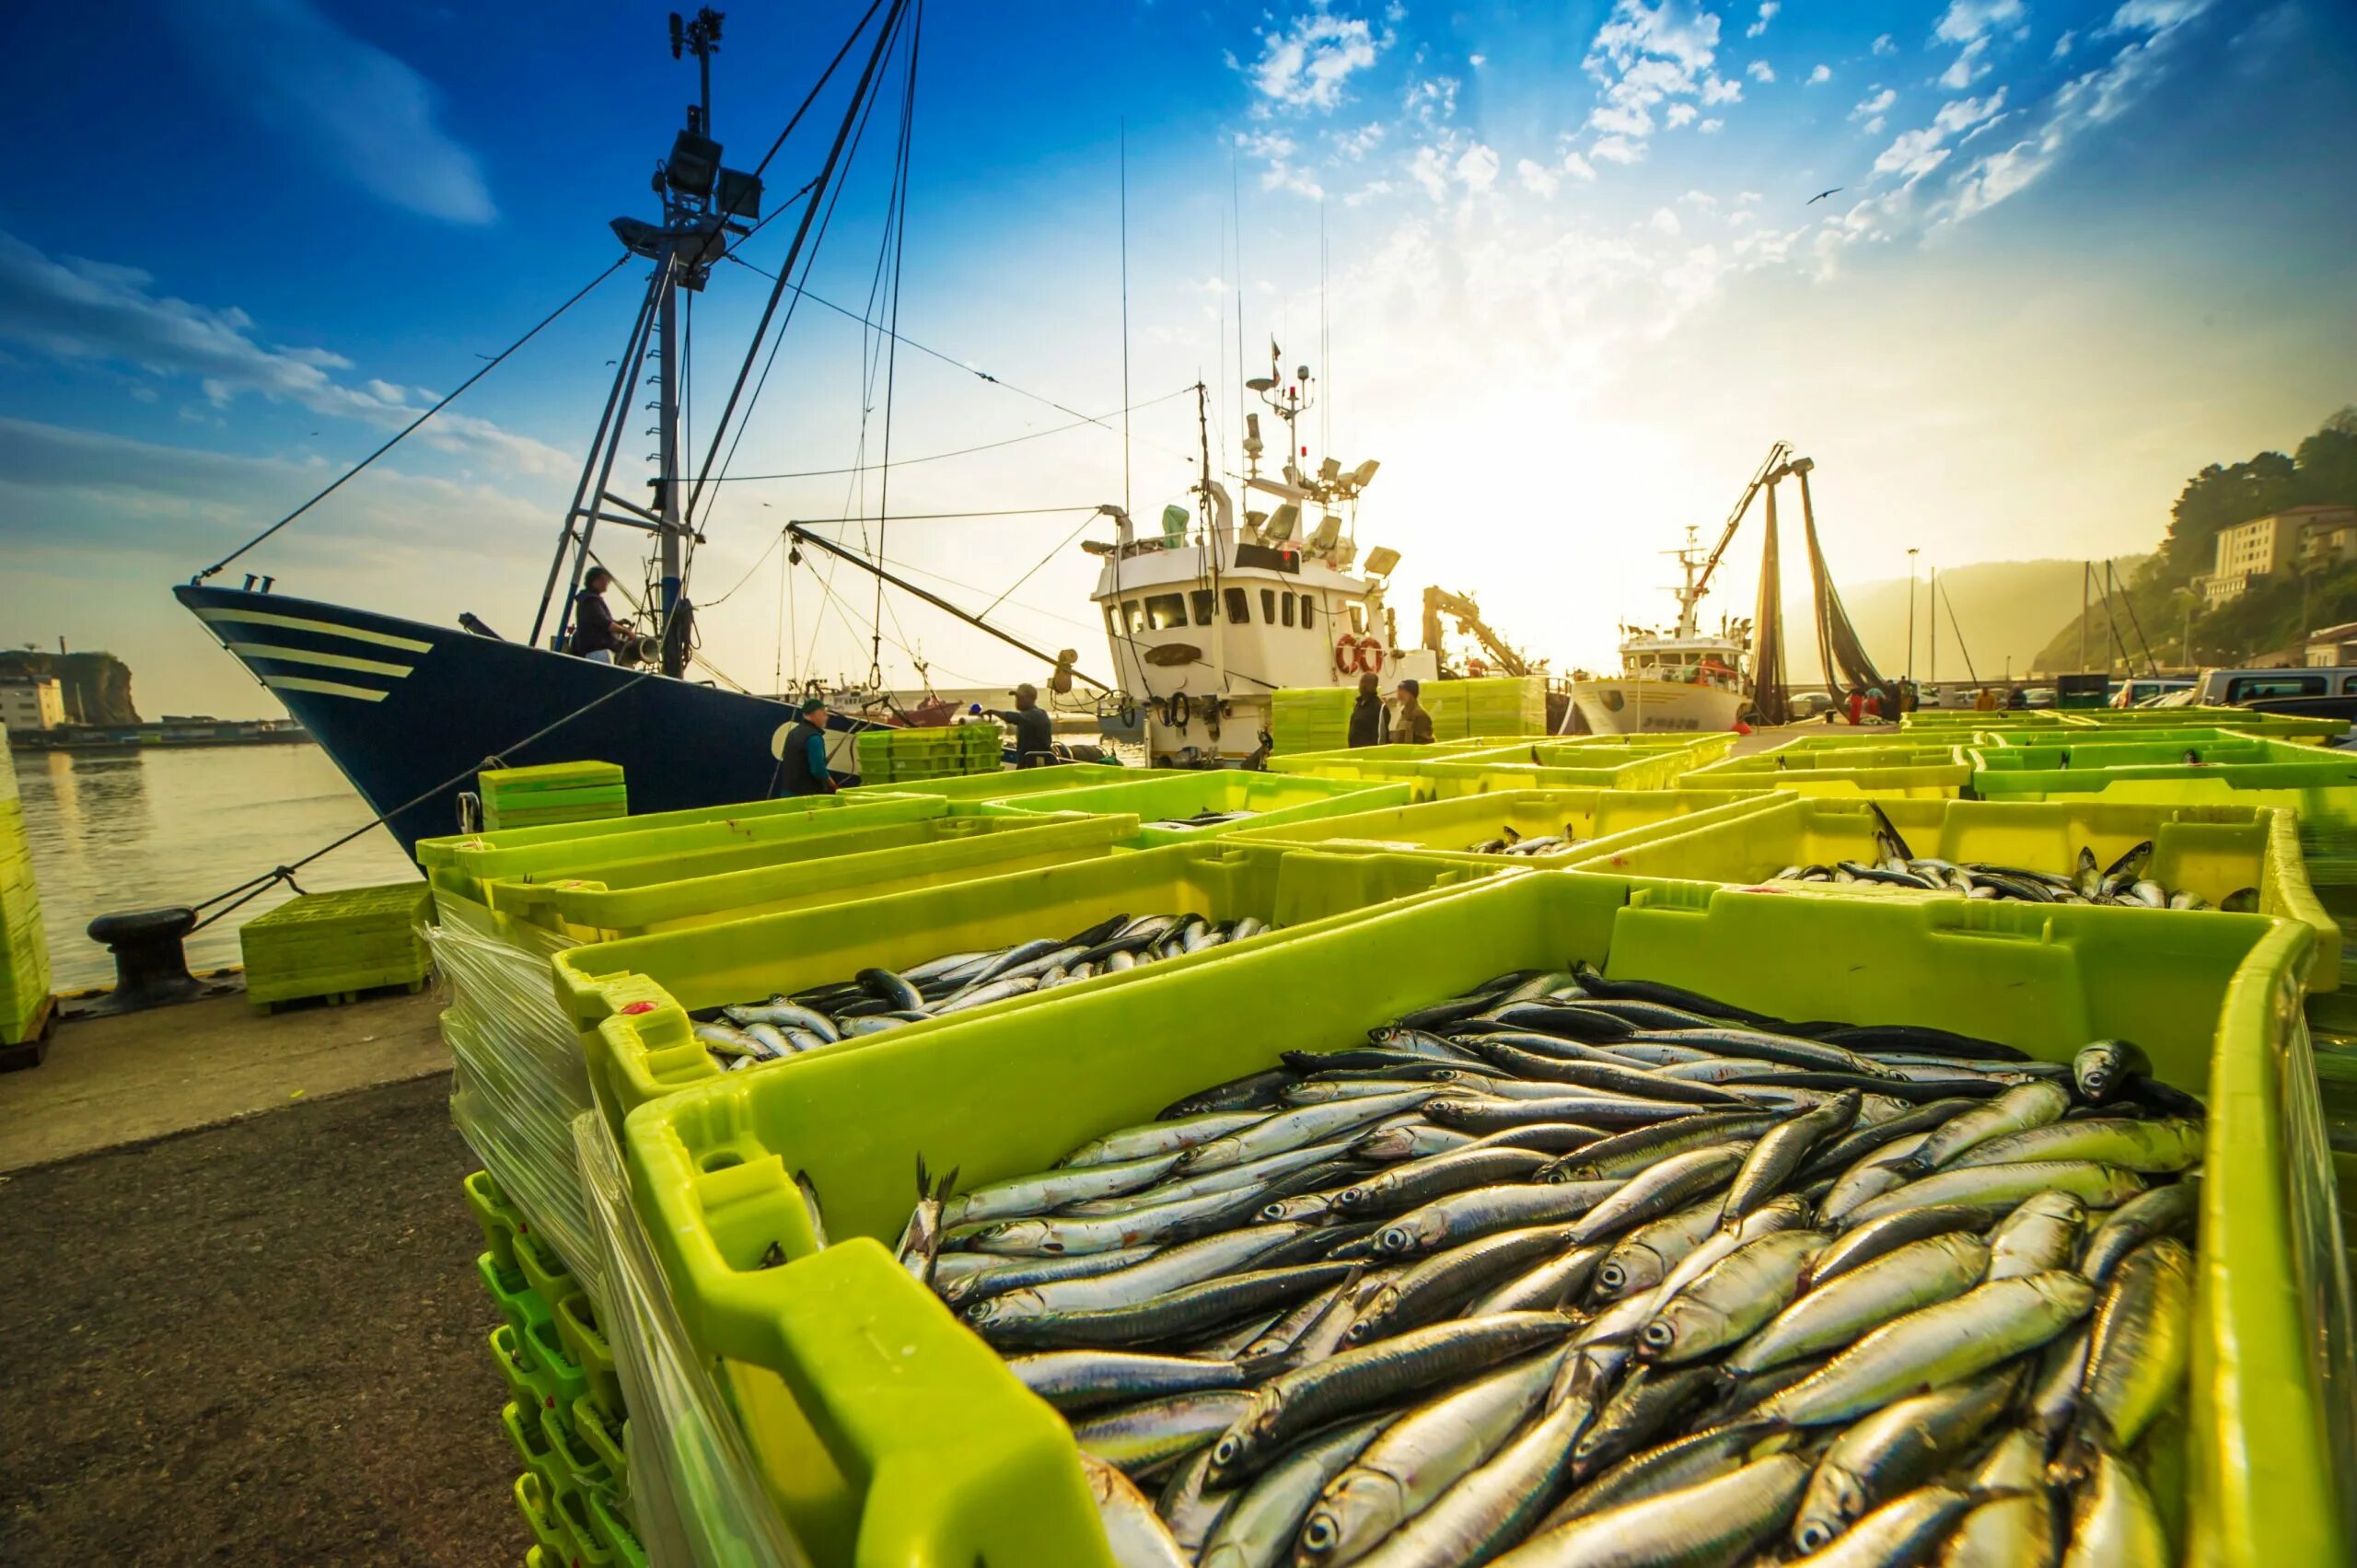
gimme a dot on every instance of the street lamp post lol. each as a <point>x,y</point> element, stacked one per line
<point>1911,617</point>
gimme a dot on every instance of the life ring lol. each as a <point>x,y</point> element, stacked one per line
<point>1347,655</point>
<point>1370,655</point>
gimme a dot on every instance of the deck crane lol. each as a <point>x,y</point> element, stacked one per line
<point>1440,601</point>
<point>1769,472</point>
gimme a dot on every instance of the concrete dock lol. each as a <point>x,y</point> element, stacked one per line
<point>236,1337</point>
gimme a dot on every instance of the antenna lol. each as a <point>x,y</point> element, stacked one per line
<point>1125,314</point>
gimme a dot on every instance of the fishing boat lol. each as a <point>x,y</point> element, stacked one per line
<point>409,710</point>
<point>1211,614</point>
<point>1684,678</point>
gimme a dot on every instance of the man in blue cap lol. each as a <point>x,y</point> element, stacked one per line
<point>802,764</point>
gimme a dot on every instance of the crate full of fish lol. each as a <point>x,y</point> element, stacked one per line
<point>1541,826</point>
<point>465,863</point>
<point>1555,1219</point>
<point>1701,748</point>
<point>658,1014</point>
<point>2232,857</point>
<point>1896,771</point>
<point>2318,783</point>
<point>1596,767</point>
<point>1189,805</point>
<point>644,896</point>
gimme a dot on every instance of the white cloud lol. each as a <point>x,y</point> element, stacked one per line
<point>1760,71</point>
<point>1746,197</point>
<point>1820,74</point>
<point>2154,16</point>
<point>1873,108</point>
<point>1768,10</point>
<point>1278,151</point>
<point>1702,199</point>
<point>1967,67</point>
<point>1356,145</point>
<point>2062,44</point>
<point>1578,168</point>
<point>1916,153</point>
<point>1477,61</point>
<point>1428,170</point>
<point>1308,64</point>
<point>1643,57</point>
<point>1431,100</point>
<point>1708,126</point>
<point>369,115</point>
<point>1536,178</point>
<point>1478,169</point>
<point>1715,91</point>
<point>1679,114</point>
<point>1664,221</point>
<point>1965,20</point>
<point>98,312</point>
<point>1883,45</point>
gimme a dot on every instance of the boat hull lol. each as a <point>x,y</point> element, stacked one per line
<point>1635,707</point>
<point>410,711</point>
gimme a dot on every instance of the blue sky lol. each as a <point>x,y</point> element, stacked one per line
<point>1575,287</point>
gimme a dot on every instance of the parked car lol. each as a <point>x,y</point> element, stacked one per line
<point>2039,697</point>
<point>2139,693</point>
<point>1810,704</point>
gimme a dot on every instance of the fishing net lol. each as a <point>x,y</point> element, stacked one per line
<point>1770,701</point>
<point>1841,653</point>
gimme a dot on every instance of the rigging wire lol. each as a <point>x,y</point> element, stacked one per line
<point>338,483</point>
<point>1125,317</point>
<point>892,347</point>
<point>1062,545</point>
<point>959,452</point>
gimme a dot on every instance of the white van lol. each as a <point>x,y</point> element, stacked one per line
<point>2244,687</point>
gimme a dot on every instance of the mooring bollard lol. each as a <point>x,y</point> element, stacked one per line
<point>150,970</point>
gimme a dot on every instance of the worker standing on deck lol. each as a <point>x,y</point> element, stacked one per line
<point>1411,725</point>
<point>595,634</point>
<point>1986,701</point>
<point>1035,732</point>
<point>802,764</point>
<point>1857,705</point>
<point>1366,713</point>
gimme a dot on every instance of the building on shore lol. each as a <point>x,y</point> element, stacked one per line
<point>2313,539</point>
<point>30,703</point>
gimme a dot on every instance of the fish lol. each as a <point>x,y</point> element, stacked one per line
<point>1716,1521</point>
<point>1642,1258</point>
<point>2014,1527</point>
<point>2113,1522</point>
<point>2159,1146</point>
<point>2138,1353</point>
<point>1467,1216</point>
<point>1780,1152</point>
<point>1738,1294</point>
<point>1894,1449</point>
<point>1862,1244</point>
<point>1077,1379</point>
<point>1644,1404</point>
<point>2018,1109</point>
<point>1829,1316</point>
<point>1171,1315</point>
<point>2101,1071</point>
<point>1906,1529</point>
<point>1139,1439</point>
<point>1258,1529</point>
<point>1935,1346</point>
<point>2043,1233</point>
<point>1669,1184</point>
<point>2163,1211</point>
<point>1133,1532</point>
<point>920,1242</point>
<point>2098,1186</point>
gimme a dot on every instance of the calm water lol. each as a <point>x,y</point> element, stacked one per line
<point>133,830</point>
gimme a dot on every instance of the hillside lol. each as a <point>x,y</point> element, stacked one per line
<point>2005,610</point>
<point>2275,615</point>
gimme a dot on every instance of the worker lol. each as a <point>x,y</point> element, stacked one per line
<point>1035,732</point>
<point>2017,697</point>
<point>1366,713</point>
<point>595,634</point>
<point>1985,700</point>
<point>802,762</point>
<point>1874,703</point>
<point>1411,724</point>
<point>1856,704</point>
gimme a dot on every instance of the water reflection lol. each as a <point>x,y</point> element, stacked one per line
<point>133,829</point>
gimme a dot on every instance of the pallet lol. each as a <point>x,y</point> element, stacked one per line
<point>345,998</point>
<point>33,1050</point>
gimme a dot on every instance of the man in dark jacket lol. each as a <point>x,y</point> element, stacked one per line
<point>1035,732</point>
<point>595,634</point>
<point>802,762</point>
<point>1411,724</point>
<point>1366,713</point>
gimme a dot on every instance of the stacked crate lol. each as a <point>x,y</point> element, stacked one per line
<point>1505,705</point>
<point>554,792</point>
<point>24,963</point>
<point>1309,718</point>
<point>337,944</point>
<point>565,1415</point>
<point>901,756</point>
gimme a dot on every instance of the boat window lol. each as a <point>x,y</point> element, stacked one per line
<point>1309,612</point>
<point>1112,627</point>
<point>1239,608</point>
<point>1203,597</point>
<point>2256,688</point>
<point>1287,601</point>
<point>1165,610</point>
<point>1358,618</point>
<point>1133,616</point>
<point>1268,607</point>
<point>2349,685</point>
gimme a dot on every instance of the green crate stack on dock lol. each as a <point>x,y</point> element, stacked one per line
<point>1505,705</point>
<point>564,1416</point>
<point>901,756</point>
<point>24,983</point>
<point>1309,718</point>
<point>337,944</point>
<point>553,791</point>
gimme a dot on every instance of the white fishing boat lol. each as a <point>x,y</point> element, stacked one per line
<point>1210,614</point>
<point>1684,678</point>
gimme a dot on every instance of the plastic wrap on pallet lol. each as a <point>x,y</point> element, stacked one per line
<point>518,1079</point>
<point>696,1494</point>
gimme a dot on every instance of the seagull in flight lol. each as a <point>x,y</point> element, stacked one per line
<point>1822,194</point>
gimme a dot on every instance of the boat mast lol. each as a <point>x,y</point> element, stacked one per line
<point>686,204</point>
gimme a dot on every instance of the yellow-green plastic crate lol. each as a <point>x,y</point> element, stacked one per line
<point>553,792</point>
<point>1601,819</point>
<point>845,1367</point>
<point>2280,726</point>
<point>2321,785</point>
<point>1898,772</point>
<point>645,898</point>
<point>1634,767</point>
<point>630,998</point>
<point>463,864</point>
<point>1168,792</point>
<point>332,943</point>
<point>2209,850</point>
<point>975,793</point>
